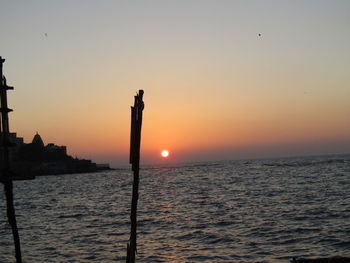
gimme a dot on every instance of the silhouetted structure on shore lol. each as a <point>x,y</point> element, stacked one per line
<point>35,158</point>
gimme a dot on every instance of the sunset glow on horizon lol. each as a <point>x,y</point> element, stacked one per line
<point>222,80</point>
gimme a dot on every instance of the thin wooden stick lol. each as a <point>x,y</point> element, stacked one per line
<point>135,142</point>
<point>6,178</point>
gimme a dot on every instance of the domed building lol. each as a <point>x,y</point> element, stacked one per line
<point>33,151</point>
<point>38,141</point>
<point>37,159</point>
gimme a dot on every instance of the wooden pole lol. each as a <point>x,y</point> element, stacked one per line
<point>5,176</point>
<point>135,142</point>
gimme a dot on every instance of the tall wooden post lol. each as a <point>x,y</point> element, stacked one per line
<point>5,176</point>
<point>135,141</point>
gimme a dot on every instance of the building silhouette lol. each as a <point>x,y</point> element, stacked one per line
<point>31,159</point>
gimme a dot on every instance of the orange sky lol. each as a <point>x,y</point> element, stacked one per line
<point>214,89</point>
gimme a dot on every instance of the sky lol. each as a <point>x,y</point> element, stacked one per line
<point>222,79</point>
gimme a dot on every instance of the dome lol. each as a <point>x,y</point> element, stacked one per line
<point>37,140</point>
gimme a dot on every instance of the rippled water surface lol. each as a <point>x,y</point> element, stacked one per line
<point>233,211</point>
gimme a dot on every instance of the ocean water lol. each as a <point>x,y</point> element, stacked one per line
<point>230,211</point>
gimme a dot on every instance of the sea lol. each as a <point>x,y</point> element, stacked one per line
<point>268,210</point>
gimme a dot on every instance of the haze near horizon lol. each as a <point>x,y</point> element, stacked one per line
<point>222,79</point>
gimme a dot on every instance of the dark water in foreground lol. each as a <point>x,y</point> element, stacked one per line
<point>237,211</point>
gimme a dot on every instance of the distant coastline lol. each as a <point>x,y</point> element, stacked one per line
<point>28,160</point>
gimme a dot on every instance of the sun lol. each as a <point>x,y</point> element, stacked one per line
<point>165,153</point>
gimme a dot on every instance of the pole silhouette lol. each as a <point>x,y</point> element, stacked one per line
<point>6,175</point>
<point>135,141</point>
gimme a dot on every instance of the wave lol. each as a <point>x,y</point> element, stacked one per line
<point>306,163</point>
